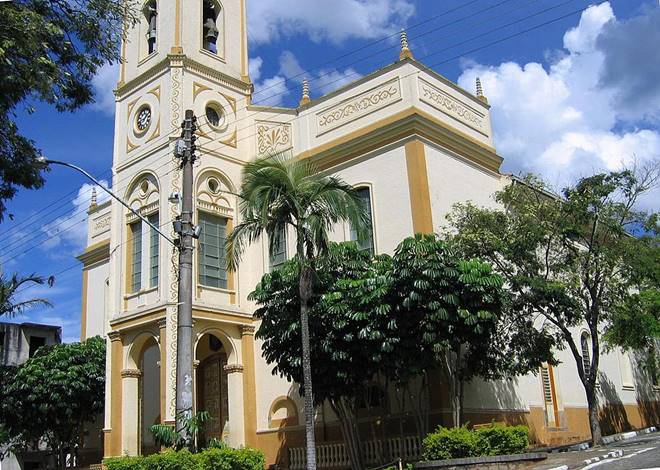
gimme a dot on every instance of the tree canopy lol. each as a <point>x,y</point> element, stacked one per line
<point>49,51</point>
<point>563,257</point>
<point>51,397</point>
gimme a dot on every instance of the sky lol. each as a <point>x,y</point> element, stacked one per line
<point>574,88</point>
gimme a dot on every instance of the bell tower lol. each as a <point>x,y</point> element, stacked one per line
<point>181,54</point>
<point>211,32</point>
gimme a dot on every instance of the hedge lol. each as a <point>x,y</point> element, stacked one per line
<point>211,459</point>
<point>458,443</point>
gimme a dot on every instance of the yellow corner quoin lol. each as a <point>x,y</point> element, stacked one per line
<point>418,185</point>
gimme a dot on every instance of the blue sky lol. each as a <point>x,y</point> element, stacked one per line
<point>578,95</point>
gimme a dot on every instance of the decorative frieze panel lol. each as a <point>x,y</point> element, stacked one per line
<point>450,106</point>
<point>358,106</point>
<point>273,137</point>
<point>101,225</point>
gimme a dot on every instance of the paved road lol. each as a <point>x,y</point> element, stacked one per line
<point>641,453</point>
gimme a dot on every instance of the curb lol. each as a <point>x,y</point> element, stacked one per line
<point>628,435</point>
<point>610,455</point>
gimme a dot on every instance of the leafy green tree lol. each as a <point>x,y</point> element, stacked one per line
<point>453,311</point>
<point>563,258</point>
<point>53,395</point>
<point>346,342</point>
<point>280,192</point>
<point>635,325</point>
<point>9,290</point>
<point>49,51</point>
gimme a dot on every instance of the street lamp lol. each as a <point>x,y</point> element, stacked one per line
<point>45,162</point>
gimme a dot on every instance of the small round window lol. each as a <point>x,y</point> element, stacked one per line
<point>144,187</point>
<point>214,185</point>
<point>214,115</point>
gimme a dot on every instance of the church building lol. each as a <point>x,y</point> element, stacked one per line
<point>411,141</point>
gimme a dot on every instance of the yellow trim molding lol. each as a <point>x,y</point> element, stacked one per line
<point>249,385</point>
<point>418,185</point>
<point>410,122</point>
<point>83,309</point>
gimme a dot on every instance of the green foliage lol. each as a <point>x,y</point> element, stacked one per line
<point>49,51</point>
<point>166,436</point>
<point>449,443</point>
<point>502,440</point>
<point>212,459</point>
<point>54,394</point>
<point>456,443</point>
<point>9,305</point>
<point>565,259</point>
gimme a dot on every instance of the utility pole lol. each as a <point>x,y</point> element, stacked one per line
<point>187,232</point>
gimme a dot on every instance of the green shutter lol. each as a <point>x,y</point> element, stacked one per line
<point>212,262</point>
<point>154,246</point>
<point>136,265</point>
<point>365,243</point>
<point>278,257</point>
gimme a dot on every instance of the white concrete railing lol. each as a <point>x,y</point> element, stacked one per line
<point>335,455</point>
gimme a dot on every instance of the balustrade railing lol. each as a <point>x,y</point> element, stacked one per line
<point>334,456</point>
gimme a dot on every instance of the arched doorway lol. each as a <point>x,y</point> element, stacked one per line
<point>212,390</point>
<point>149,397</point>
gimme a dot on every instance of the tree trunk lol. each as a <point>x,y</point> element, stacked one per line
<point>305,291</point>
<point>594,424</point>
<point>455,385</point>
<point>347,414</point>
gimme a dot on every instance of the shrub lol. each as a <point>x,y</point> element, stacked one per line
<point>224,458</point>
<point>447,443</point>
<point>231,459</point>
<point>502,440</point>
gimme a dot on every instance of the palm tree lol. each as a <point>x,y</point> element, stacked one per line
<point>9,288</point>
<point>281,191</point>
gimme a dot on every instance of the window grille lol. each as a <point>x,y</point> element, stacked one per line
<point>212,261</point>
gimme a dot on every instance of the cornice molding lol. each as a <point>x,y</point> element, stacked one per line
<point>94,253</point>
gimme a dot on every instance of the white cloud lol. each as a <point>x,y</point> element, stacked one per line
<point>561,120</point>
<point>335,20</point>
<point>290,75</point>
<point>69,233</point>
<point>104,83</point>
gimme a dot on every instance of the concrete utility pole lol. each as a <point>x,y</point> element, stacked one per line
<point>187,232</point>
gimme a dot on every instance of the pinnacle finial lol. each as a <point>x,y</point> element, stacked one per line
<point>406,53</point>
<point>480,91</point>
<point>93,202</point>
<point>305,99</point>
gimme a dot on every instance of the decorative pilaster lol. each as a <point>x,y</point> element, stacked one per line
<point>113,445</point>
<point>405,53</point>
<point>249,385</point>
<point>162,340</point>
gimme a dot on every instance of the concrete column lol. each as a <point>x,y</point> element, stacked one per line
<point>131,411</point>
<point>162,340</point>
<point>249,385</point>
<point>235,426</point>
<point>113,434</point>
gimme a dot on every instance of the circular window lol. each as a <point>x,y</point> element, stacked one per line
<point>144,187</point>
<point>143,119</point>
<point>214,115</point>
<point>214,185</point>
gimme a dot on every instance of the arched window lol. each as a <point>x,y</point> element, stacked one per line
<point>144,241</point>
<point>211,25</point>
<point>365,243</point>
<point>150,12</point>
<point>585,339</point>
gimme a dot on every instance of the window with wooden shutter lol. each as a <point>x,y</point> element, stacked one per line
<point>212,261</point>
<point>136,256</point>
<point>365,243</point>
<point>154,245</point>
<point>279,256</point>
<point>586,356</point>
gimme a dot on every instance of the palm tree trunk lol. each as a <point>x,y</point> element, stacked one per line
<point>305,291</point>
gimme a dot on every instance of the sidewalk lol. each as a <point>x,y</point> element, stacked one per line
<point>577,456</point>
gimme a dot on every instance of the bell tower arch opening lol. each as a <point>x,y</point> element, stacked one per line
<point>212,27</point>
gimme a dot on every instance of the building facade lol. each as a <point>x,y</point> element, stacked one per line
<point>410,140</point>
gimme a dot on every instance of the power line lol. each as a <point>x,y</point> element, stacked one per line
<point>453,58</point>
